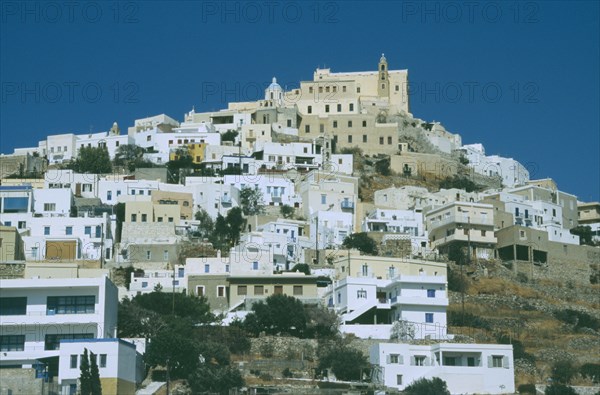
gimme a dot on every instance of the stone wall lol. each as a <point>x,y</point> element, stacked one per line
<point>20,382</point>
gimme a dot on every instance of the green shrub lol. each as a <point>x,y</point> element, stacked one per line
<point>579,319</point>
<point>435,386</point>
<point>563,371</point>
<point>471,320</point>
<point>591,370</point>
<point>559,389</point>
<point>527,389</point>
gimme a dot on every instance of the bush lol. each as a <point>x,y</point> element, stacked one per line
<point>287,373</point>
<point>559,389</point>
<point>563,371</point>
<point>527,389</point>
<point>435,386</point>
<point>470,320</point>
<point>579,319</point>
<point>592,371</point>
<point>518,347</point>
<point>456,282</point>
<point>346,363</point>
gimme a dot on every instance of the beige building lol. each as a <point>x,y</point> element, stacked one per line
<point>183,200</point>
<point>462,224</point>
<point>238,292</point>
<point>588,213</point>
<point>522,243</point>
<point>246,290</point>
<point>11,244</point>
<point>355,265</point>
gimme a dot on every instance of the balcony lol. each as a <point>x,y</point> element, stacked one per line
<point>226,200</point>
<point>47,317</point>
<point>418,300</point>
<point>460,219</point>
<point>347,205</point>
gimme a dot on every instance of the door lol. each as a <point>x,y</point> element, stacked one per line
<point>278,289</point>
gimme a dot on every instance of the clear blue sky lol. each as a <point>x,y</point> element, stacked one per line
<point>521,78</point>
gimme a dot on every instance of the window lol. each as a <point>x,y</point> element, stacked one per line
<point>298,290</point>
<point>326,107</point>
<point>349,124</point>
<point>497,361</point>
<point>389,140</point>
<point>255,265</point>
<point>339,108</point>
<point>259,290</point>
<point>102,360</point>
<point>144,217</point>
<point>73,361</point>
<point>351,106</point>
<point>207,268</point>
<point>381,140</point>
<point>148,255</point>
<point>165,255</point>
<point>349,138</point>
<point>144,284</point>
<point>397,88</point>
<point>84,304</point>
<point>309,110</point>
<point>398,379</point>
<point>323,199</point>
<point>52,342</point>
<point>361,294</point>
<point>108,195</point>
<point>12,343</point>
<point>364,138</point>
<point>46,230</point>
<point>364,124</point>
<point>21,224</point>
<point>242,290</point>
<point>449,361</point>
<point>470,361</point>
<point>199,290</point>
<point>159,219</point>
<point>310,89</point>
<point>221,291</point>
<point>49,206</point>
<point>87,230</point>
<point>13,306</point>
<point>289,123</point>
<point>69,230</point>
<point>307,128</point>
<point>170,219</point>
<point>431,293</point>
<point>133,217</point>
<point>419,360</point>
<point>429,318</point>
<point>335,124</point>
<point>395,358</point>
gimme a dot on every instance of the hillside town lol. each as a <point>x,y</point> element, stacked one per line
<point>185,253</point>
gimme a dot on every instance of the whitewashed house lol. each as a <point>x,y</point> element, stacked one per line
<point>466,368</point>
<point>37,314</point>
<point>509,170</point>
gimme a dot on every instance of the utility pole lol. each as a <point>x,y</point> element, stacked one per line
<point>462,276</point>
<point>173,296</point>
<point>317,238</point>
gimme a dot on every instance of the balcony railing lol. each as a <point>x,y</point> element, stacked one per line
<point>347,205</point>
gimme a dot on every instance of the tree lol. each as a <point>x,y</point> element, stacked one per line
<point>96,386</point>
<point>321,322</point>
<point>229,135</point>
<point>130,156</point>
<point>434,386</point>
<point>207,225</point>
<point>85,378</point>
<point>383,167</point>
<point>215,379</point>
<point>175,349</point>
<point>235,223</point>
<point>95,160</point>
<point>302,267</point>
<point>585,234</point>
<point>403,330</point>
<point>182,164</point>
<point>286,211</point>
<point>362,242</point>
<point>278,314</point>
<point>251,200</point>
<point>346,363</point>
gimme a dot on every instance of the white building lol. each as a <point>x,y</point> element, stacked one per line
<point>120,367</point>
<point>369,306</point>
<point>328,229</point>
<point>37,314</point>
<point>509,170</point>
<point>466,368</point>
